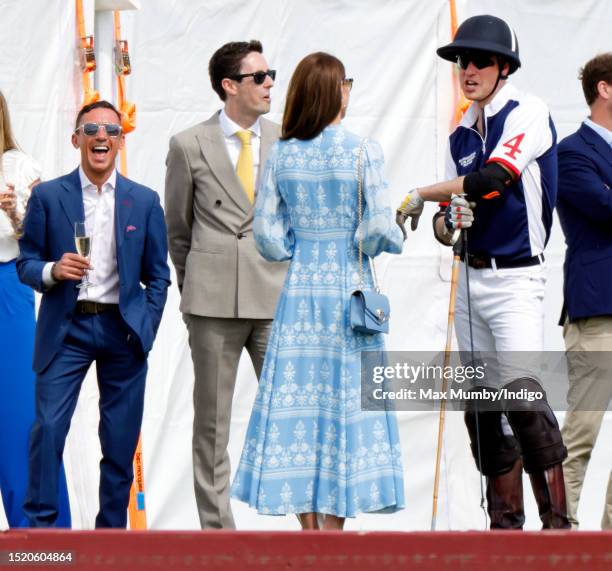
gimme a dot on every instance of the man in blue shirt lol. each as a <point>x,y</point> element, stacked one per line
<point>502,157</point>
<point>112,321</point>
<point>585,211</point>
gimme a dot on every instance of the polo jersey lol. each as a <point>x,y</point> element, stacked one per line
<point>519,134</point>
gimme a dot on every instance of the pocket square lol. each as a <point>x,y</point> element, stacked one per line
<point>130,229</point>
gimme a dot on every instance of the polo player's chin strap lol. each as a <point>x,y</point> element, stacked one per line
<point>500,77</point>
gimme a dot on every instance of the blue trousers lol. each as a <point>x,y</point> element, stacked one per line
<point>17,397</point>
<point>121,370</point>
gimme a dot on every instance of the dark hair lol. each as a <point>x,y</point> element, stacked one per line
<point>96,105</point>
<point>595,70</point>
<point>314,96</point>
<point>501,62</point>
<point>7,141</point>
<point>226,62</point>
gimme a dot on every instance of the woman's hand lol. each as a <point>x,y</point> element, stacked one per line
<point>8,201</point>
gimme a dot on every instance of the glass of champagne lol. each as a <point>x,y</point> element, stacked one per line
<point>82,240</point>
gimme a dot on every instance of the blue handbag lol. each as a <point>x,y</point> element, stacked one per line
<point>369,311</point>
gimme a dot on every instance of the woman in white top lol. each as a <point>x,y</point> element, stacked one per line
<point>18,173</point>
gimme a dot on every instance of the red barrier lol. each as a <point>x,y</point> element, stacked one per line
<point>321,551</point>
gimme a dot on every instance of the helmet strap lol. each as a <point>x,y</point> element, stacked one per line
<point>500,76</point>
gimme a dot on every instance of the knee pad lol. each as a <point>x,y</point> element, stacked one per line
<point>498,451</point>
<point>535,427</point>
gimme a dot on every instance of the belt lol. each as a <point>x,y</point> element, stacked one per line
<point>94,307</point>
<point>481,262</point>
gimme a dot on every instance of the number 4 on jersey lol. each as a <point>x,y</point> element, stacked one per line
<point>513,145</point>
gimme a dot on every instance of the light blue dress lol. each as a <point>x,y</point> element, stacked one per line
<point>309,447</point>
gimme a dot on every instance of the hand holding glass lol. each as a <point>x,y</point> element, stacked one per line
<point>82,240</point>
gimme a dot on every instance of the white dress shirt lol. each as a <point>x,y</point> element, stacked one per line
<point>233,144</point>
<point>19,170</point>
<point>99,210</point>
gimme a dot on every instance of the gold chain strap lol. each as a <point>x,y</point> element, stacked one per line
<point>359,217</point>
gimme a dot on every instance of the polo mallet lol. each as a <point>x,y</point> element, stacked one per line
<point>475,402</point>
<point>447,355</point>
<point>493,195</point>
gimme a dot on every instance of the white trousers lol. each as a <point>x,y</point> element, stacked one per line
<point>507,314</point>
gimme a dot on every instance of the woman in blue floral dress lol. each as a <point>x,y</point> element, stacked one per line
<point>310,450</point>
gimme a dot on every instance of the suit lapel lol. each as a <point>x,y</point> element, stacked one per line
<point>593,139</point>
<point>123,208</point>
<point>213,147</point>
<point>72,199</point>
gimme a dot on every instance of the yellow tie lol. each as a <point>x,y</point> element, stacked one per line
<point>244,166</point>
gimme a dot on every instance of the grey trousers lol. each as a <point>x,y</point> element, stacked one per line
<point>216,345</point>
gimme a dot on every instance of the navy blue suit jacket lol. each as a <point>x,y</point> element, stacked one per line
<point>584,205</point>
<point>141,242</point>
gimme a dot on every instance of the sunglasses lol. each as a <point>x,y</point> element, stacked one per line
<point>91,129</point>
<point>258,77</point>
<point>348,82</point>
<point>480,60</point>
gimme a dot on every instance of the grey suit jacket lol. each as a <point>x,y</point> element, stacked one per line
<point>210,235</point>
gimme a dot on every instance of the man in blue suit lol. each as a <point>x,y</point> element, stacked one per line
<point>585,211</point>
<point>112,322</point>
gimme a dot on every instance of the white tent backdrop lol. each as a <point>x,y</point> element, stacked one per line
<point>402,97</point>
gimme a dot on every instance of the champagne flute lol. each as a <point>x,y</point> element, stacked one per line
<point>82,240</point>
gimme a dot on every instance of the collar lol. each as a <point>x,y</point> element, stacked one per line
<point>85,182</point>
<point>505,94</point>
<point>604,133</point>
<point>230,128</point>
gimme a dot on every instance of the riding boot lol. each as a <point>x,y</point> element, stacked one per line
<point>505,498</point>
<point>549,491</point>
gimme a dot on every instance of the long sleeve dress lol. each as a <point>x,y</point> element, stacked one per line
<point>309,447</point>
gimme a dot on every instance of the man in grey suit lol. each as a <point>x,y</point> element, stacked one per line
<point>228,291</point>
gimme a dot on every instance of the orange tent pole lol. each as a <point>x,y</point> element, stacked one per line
<point>136,508</point>
<point>86,56</point>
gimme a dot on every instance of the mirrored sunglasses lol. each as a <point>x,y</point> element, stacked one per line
<point>91,129</point>
<point>258,76</point>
